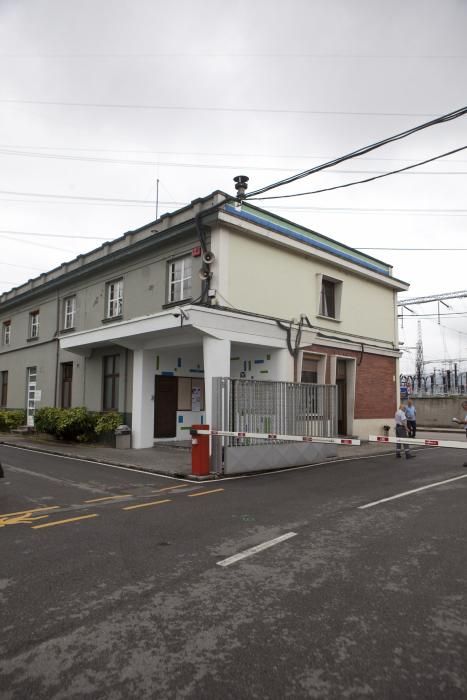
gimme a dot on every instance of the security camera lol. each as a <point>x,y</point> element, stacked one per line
<point>181,313</point>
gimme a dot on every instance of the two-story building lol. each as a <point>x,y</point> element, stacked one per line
<point>142,324</point>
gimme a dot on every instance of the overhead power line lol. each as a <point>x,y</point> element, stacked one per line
<point>62,198</point>
<point>211,154</point>
<point>433,297</point>
<point>98,199</point>
<point>367,179</point>
<point>224,166</point>
<point>40,245</point>
<point>205,108</point>
<point>439,250</point>
<point>361,151</point>
<point>55,235</point>
<point>237,54</point>
<point>434,315</point>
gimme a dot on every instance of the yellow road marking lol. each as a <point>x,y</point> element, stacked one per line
<point>204,493</point>
<point>68,520</point>
<point>169,488</point>
<point>108,498</point>
<point>144,505</point>
<point>28,510</point>
<point>21,519</point>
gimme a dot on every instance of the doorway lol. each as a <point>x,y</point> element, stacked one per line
<point>165,406</point>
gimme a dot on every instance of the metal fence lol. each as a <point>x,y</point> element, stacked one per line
<point>445,383</point>
<point>242,405</point>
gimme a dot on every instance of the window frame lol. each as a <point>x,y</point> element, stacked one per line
<point>114,377</point>
<point>34,323</point>
<point>4,388</point>
<point>176,287</point>
<point>69,316</point>
<point>114,298</point>
<point>6,333</point>
<point>66,384</point>
<point>325,282</point>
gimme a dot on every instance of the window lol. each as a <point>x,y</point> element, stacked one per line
<point>310,371</point>
<point>328,302</point>
<point>330,297</point>
<point>180,279</point>
<point>111,377</point>
<point>67,379</point>
<point>6,333</point>
<point>114,298</point>
<point>69,312</point>
<point>31,395</point>
<point>34,324</point>
<point>3,389</point>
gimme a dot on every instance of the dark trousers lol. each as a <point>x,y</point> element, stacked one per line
<point>401,432</point>
<point>411,428</point>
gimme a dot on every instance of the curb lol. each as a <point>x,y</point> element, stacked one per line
<point>135,467</point>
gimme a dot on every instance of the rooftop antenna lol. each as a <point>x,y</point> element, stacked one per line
<point>241,185</point>
<point>157,198</point>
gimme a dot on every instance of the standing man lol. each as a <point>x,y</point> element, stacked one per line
<point>401,432</point>
<point>464,422</point>
<point>411,415</point>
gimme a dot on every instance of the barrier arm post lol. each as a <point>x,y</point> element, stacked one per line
<point>200,463</point>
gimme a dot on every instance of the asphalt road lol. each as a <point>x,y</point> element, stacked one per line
<point>115,584</point>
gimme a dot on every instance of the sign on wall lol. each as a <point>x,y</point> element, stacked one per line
<point>196,398</point>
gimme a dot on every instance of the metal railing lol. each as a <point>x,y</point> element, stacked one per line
<point>253,406</point>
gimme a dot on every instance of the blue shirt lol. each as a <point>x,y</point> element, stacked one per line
<point>410,412</point>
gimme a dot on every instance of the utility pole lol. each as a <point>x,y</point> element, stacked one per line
<point>419,357</point>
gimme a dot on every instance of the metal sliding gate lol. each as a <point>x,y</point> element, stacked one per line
<point>284,408</point>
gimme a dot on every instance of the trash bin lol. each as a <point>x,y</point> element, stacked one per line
<point>123,437</point>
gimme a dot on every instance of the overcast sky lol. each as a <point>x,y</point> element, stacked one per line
<point>195,93</point>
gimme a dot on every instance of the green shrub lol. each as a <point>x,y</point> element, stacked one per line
<point>10,419</point>
<point>107,422</point>
<point>75,422</point>
<point>46,420</point>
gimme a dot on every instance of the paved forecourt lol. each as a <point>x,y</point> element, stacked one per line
<point>289,566</point>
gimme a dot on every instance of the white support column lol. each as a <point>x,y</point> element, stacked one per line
<point>216,355</point>
<point>282,366</point>
<point>143,399</point>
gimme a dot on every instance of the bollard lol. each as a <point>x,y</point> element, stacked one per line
<point>199,451</point>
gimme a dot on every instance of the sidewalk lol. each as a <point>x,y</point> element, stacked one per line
<point>171,461</point>
<point>175,459</point>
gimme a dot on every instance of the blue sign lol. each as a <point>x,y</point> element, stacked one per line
<point>404,392</point>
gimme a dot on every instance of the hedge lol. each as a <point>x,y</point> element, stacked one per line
<point>75,423</point>
<point>11,418</point>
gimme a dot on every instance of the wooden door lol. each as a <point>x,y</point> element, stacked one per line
<point>165,406</point>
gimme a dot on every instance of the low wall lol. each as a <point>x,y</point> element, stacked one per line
<point>238,460</point>
<point>438,411</point>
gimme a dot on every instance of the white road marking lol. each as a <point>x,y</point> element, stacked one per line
<point>99,464</point>
<point>254,550</point>
<point>408,493</point>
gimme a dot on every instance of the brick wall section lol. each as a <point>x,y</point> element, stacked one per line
<point>375,389</point>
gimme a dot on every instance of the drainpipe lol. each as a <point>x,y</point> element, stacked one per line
<point>57,350</point>
<point>125,386</point>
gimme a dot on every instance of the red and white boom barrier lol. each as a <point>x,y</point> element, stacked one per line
<point>277,436</point>
<point>417,441</point>
<point>200,436</point>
